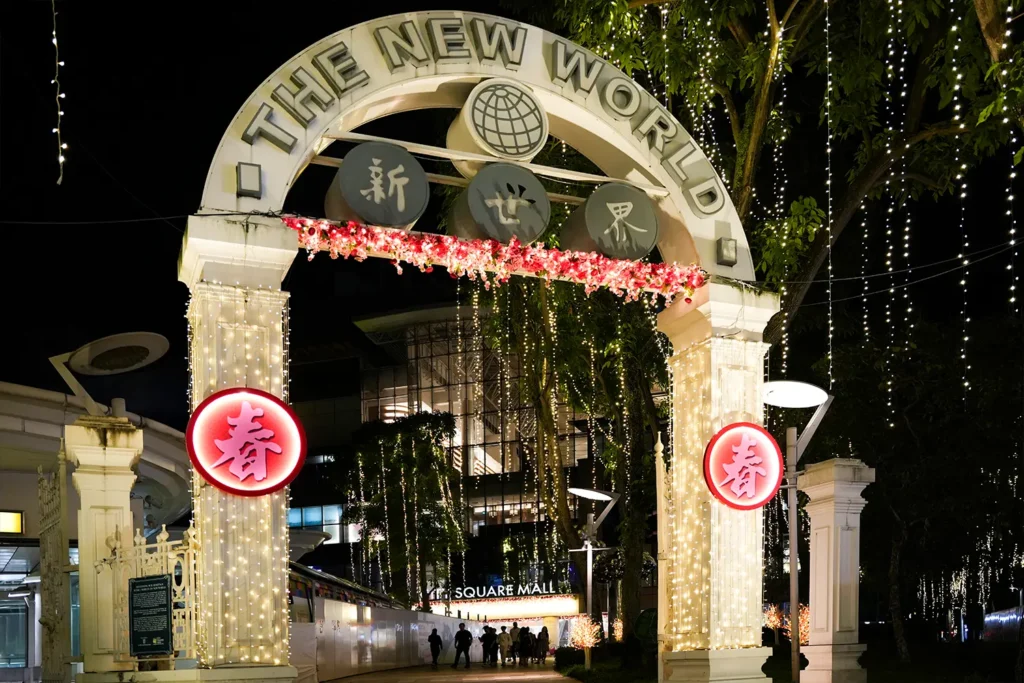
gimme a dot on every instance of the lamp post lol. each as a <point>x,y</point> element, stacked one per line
<point>590,534</point>
<point>787,394</point>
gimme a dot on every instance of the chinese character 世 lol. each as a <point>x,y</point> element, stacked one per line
<point>743,469</point>
<point>620,212</point>
<point>396,184</point>
<point>247,448</point>
<point>508,204</point>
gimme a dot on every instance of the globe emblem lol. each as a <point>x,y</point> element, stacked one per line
<point>507,119</point>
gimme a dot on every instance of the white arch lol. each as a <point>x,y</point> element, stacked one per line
<point>433,59</point>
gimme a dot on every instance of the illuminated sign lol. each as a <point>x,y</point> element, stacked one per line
<point>510,590</point>
<point>12,522</point>
<point>246,441</point>
<point>743,466</point>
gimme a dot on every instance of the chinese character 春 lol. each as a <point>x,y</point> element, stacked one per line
<point>743,469</point>
<point>510,204</point>
<point>247,448</point>
<point>396,184</point>
<point>620,211</point>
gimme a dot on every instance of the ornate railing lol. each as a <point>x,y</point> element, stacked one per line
<point>141,558</point>
<point>54,581</point>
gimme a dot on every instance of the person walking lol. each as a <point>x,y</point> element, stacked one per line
<point>487,641</point>
<point>504,644</point>
<point>463,639</point>
<point>524,646</point>
<point>514,632</point>
<point>543,643</point>
<point>494,647</point>
<point>434,641</point>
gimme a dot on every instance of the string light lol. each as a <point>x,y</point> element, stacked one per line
<point>889,190</point>
<point>57,129</point>
<point>961,181</point>
<point>828,181</point>
<point>864,264</point>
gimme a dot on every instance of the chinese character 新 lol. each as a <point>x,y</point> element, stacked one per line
<point>396,184</point>
<point>247,448</point>
<point>743,469</point>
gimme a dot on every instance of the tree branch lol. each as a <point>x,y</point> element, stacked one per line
<point>866,179</point>
<point>633,4</point>
<point>789,13</point>
<point>990,17</point>
<point>739,32</point>
<point>919,87</point>
<point>734,114</point>
<point>749,149</point>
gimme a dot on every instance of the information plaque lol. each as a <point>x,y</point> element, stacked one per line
<point>149,615</point>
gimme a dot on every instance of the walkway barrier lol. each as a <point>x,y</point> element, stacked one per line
<point>355,639</point>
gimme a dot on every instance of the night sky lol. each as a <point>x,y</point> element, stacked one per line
<point>142,121</point>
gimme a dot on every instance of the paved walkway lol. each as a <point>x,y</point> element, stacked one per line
<point>475,674</point>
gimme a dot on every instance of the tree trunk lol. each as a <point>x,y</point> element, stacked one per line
<point>895,596</point>
<point>424,593</point>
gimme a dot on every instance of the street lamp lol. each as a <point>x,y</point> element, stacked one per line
<point>590,534</point>
<point>786,394</point>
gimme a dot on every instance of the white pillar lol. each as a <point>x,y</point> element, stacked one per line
<point>104,451</point>
<point>238,328</point>
<point>711,556</point>
<point>835,487</point>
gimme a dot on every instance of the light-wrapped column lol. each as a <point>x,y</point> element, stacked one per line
<point>711,554</point>
<point>239,338</point>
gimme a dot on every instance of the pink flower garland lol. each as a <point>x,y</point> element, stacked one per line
<point>477,258</point>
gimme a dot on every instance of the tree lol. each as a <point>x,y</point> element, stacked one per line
<point>946,463</point>
<point>406,500</point>
<point>906,106</point>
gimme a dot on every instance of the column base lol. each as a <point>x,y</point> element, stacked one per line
<point>836,663</point>
<point>739,665</point>
<point>250,674</point>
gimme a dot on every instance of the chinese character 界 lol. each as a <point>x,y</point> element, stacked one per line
<point>396,184</point>
<point>743,469</point>
<point>620,212</point>
<point>247,448</point>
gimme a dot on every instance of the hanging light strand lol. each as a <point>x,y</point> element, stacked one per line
<point>961,181</point>
<point>57,129</point>
<point>828,184</point>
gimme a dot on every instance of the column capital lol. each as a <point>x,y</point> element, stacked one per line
<point>719,310</point>
<point>103,444</point>
<point>839,481</point>
<point>244,251</point>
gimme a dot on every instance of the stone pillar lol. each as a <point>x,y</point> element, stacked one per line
<point>835,487</point>
<point>711,556</point>
<point>238,329</point>
<point>104,451</point>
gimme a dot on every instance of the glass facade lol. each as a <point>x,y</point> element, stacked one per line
<point>324,518</point>
<point>450,368</point>
<point>13,633</point>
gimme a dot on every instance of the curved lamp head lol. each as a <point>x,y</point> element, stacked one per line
<point>119,353</point>
<point>591,494</point>
<point>787,394</point>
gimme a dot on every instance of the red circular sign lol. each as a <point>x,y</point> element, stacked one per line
<point>743,466</point>
<point>246,441</point>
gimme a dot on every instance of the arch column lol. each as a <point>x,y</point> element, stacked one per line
<point>238,337</point>
<point>710,556</point>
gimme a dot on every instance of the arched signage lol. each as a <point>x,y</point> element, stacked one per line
<point>743,466</point>
<point>246,441</point>
<point>436,59</point>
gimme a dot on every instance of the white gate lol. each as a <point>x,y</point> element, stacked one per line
<point>141,558</point>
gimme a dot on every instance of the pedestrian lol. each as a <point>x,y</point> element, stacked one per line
<point>494,647</point>
<point>524,646</point>
<point>434,641</point>
<point>463,639</point>
<point>543,642</point>
<point>514,632</point>
<point>487,640</point>
<point>504,644</point>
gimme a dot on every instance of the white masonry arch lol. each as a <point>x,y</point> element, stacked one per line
<point>433,59</point>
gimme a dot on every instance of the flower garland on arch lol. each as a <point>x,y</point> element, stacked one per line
<point>492,261</point>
